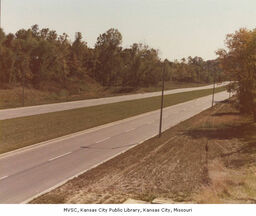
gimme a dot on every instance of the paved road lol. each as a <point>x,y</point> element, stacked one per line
<point>26,173</point>
<point>35,110</point>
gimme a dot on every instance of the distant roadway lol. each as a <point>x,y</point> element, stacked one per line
<point>47,108</point>
<point>28,172</point>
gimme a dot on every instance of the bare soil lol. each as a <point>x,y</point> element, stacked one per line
<point>206,159</point>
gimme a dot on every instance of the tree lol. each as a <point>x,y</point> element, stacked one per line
<point>79,55</point>
<point>108,52</point>
<point>239,60</point>
<point>142,66</point>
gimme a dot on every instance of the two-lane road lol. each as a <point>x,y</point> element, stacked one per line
<point>29,172</point>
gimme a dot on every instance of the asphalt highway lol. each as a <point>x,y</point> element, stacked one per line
<point>47,108</point>
<point>31,171</point>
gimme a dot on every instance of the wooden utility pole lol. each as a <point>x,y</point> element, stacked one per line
<point>23,88</point>
<point>162,101</point>
<point>213,91</point>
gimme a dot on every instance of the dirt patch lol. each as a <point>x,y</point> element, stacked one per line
<point>188,162</point>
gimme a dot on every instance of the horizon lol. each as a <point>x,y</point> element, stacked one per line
<point>199,31</point>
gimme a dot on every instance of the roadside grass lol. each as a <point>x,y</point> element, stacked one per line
<point>229,185</point>
<point>232,173</point>
<point>25,131</point>
<point>176,166</point>
<point>12,97</point>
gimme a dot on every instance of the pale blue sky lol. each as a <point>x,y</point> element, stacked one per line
<point>178,28</point>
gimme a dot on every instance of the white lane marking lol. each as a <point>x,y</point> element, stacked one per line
<point>59,156</point>
<point>103,140</point>
<point>4,177</point>
<point>130,130</point>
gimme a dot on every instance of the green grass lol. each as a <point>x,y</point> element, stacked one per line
<point>25,131</point>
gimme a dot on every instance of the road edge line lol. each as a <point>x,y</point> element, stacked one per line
<point>84,171</point>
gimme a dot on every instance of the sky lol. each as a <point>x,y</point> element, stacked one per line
<point>177,28</point>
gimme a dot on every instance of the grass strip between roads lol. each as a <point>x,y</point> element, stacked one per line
<point>20,132</point>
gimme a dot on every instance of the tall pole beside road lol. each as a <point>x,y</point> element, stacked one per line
<point>213,91</point>
<point>162,101</point>
<point>23,88</point>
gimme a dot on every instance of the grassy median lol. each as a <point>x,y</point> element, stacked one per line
<point>25,131</point>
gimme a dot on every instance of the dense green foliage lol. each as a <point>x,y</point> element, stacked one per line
<point>41,57</point>
<point>239,61</point>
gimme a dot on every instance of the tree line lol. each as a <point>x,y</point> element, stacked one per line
<point>239,62</point>
<point>38,57</point>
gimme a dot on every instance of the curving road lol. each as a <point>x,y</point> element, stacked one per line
<point>28,172</point>
<point>47,108</point>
